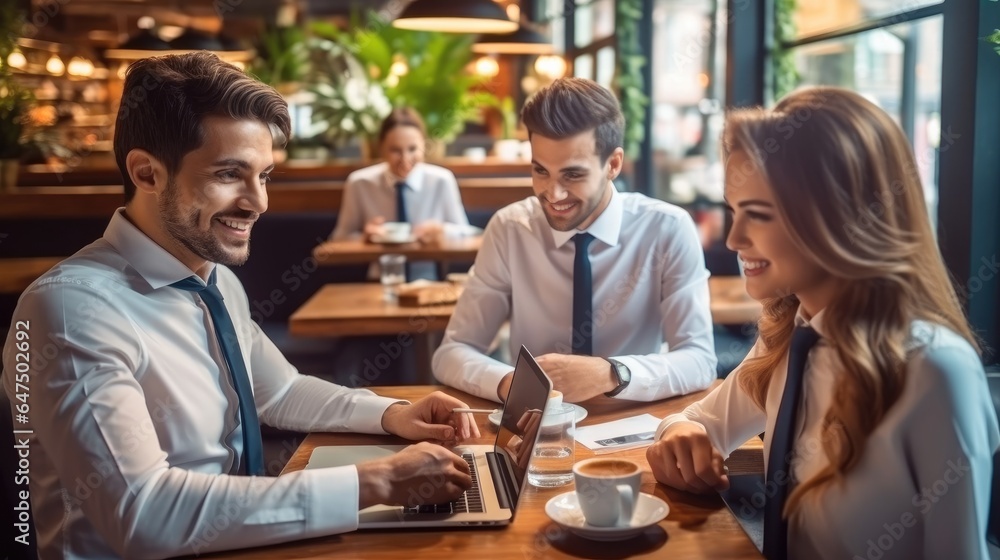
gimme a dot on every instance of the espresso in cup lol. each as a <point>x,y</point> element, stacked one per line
<point>607,490</point>
<point>605,468</point>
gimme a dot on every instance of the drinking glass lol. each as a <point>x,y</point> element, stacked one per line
<point>552,461</point>
<point>393,269</point>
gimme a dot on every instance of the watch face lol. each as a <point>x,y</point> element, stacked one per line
<point>622,371</point>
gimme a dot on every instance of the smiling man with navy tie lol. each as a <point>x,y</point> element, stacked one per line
<point>609,289</point>
<point>149,380</point>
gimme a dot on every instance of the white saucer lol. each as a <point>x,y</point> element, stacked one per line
<point>387,241</point>
<point>564,509</point>
<point>581,413</point>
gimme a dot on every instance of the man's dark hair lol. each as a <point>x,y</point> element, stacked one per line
<point>403,116</point>
<point>570,106</point>
<point>166,98</point>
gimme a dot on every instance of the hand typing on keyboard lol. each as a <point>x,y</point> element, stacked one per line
<point>471,501</point>
<point>418,475</point>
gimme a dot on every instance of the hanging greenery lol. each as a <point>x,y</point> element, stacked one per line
<point>786,76</point>
<point>995,39</point>
<point>629,80</point>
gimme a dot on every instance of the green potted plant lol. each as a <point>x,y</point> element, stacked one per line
<point>508,147</point>
<point>346,104</point>
<point>422,70</point>
<point>15,102</point>
<point>282,58</point>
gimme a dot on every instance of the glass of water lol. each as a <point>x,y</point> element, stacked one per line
<point>393,273</point>
<point>552,461</point>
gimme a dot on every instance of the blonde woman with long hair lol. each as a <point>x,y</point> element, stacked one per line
<point>866,379</point>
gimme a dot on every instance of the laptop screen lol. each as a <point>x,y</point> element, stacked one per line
<point>522,416</point>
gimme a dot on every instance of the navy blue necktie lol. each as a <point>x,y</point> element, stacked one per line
<point>401,216</point>
<point>583,296</point>
<point>779,458</point>
<point>401,203</point>
<point>252,460</point>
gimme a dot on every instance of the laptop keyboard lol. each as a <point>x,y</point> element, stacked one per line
<point>469,502</point>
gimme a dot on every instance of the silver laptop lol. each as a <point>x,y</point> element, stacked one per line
<point>498,477</point>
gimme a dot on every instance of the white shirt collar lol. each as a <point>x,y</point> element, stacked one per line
<point>816,322</point>
<point>415,180</point>
<point>154,263</point>
<point>606,228</point>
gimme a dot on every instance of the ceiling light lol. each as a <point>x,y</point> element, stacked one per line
<point>486,66</point>
<point>455,16</point>
<point>523,41</point>
<point>79,66</point>
<point>55,65</point>
<point>551,66</point>
<point>16,59</point>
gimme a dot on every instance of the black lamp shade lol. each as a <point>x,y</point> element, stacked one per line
<point>455,16</point>
<point>194,40</point>
<point>522,41</point>
<point>144,40</point>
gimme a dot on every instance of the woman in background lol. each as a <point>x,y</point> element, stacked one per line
<point>866,378</point>
<point>402,188</point>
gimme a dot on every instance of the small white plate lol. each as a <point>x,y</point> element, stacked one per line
<point>581,413</point>
<point>564,509</point>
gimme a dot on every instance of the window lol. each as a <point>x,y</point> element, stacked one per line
<point>888,52</point>
<point>688,73</point>
<point>899,69</point>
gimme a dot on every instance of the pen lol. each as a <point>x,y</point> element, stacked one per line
<point>476,410</point>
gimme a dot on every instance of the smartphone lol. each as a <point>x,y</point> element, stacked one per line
<point>622,440</point>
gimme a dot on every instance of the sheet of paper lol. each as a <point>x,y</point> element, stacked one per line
<point>626,433</point>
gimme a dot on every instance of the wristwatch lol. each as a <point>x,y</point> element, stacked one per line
<point>622,373</point>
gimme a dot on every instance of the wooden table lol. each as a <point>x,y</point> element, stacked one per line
<point>696,527</point>
<point>349,309</point>
<point>360,309</point>
<point>358,251</point>
<point>731,305</point>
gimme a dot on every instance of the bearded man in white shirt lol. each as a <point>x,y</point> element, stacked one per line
<point>145,396</point>
<point>627,315</point>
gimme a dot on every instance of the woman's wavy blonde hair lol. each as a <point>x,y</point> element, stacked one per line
<point>847,186</point>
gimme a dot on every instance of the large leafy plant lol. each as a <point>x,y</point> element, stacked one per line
<point>282,56</point>
<point>347,104</point>
<point>434,81</point>
<point>15,100</point>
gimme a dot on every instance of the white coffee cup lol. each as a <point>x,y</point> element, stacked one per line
<point>397,231</point>
<point>607,489</point>
<point>555,400</point>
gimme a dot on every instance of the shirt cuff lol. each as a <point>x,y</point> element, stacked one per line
<point>489,381</point>
<point>333,500</point>
<point>367,415</point>
<point>670,421</point>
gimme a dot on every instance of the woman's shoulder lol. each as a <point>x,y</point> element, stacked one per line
<point>942,359</point>
<point>372,173</point>
<point>431,170</point>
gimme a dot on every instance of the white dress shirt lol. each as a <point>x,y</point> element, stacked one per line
<point>432,195</point>
<point>650,303</point>
<point>922,486</point>
<point>136,422</point>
